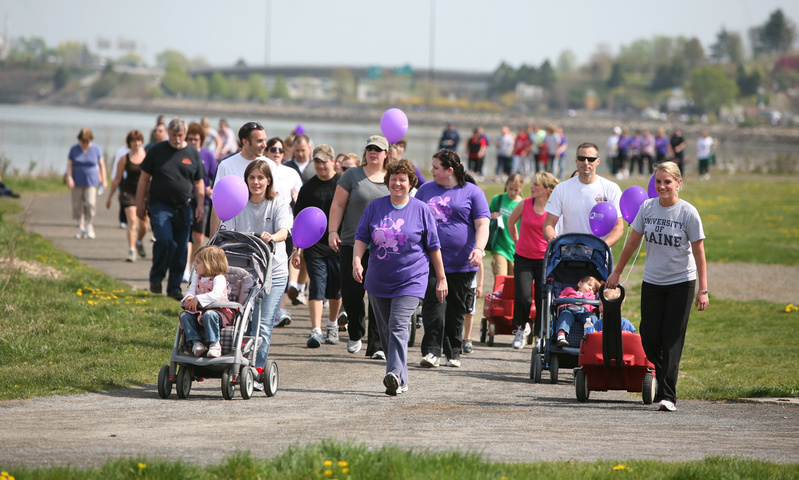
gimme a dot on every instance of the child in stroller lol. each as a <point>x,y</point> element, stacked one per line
<point>208,285</point>
<point>612,294</point>
<point>569,313</point>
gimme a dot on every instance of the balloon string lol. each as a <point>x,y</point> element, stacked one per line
<point>630,227</point>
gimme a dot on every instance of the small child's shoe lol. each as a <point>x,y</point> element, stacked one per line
<point>215,350</point>
<point>562,342</point>
<point>199,349</point>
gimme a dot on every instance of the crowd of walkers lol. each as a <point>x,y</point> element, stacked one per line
<point>392,236</point>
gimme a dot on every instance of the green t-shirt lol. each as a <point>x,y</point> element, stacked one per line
<point>503,245</point>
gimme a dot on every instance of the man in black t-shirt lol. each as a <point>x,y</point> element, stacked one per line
<point>321,261</point>
<point>169,172</point>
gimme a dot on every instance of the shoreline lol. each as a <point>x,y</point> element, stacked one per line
<point>356,114</point>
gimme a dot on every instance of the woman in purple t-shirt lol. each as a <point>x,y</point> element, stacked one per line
<point>400,232</point>
<point>85,171</point>
<point>461,213</point>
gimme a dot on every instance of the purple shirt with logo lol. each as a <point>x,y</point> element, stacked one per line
<point>398,240</point>
<point>455,210</point>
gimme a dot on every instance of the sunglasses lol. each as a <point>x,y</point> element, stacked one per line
<point>374,148</point>
<point>276,150</point>
<point>581,158</point>
<point>344,169</point>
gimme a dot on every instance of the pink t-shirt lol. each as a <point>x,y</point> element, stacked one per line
<point>531,242</point>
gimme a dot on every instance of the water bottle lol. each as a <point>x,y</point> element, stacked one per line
<point>588,327</point>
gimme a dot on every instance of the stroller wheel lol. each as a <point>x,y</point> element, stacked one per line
<point>648,390</point>
<point>228,388</point>
<point>164,385</point>
<point>554,362</point>
<point>246,382</point>
<point>184,381</point>
<point>581,386</point>
<point>271,379</point>
<point>536,366</point>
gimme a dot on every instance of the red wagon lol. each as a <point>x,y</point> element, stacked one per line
<point>613,359</point>
<point>498,311</point>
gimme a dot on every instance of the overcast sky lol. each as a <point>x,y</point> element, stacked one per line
<point>469,35</point>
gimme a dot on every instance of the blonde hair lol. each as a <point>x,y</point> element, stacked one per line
<point>546,180</point>
<point>671,168</point>
<point>85,135</point>
<point>213,259</point>
<point>591,282</point>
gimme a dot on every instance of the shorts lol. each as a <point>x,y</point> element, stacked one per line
<point>198,225</point>
<point>127,199</point>
<point>471,297</point>
<point>324,274</point>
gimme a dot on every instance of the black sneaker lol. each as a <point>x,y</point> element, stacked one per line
<point>156,288</point>
<point>176,294</point>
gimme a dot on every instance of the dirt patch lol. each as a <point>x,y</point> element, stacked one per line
<point>31,269</point>
<point>752,281</point>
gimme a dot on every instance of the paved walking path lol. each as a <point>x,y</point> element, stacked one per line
<point>488,405</point>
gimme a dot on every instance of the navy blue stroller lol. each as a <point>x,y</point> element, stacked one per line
<point>568,258</point>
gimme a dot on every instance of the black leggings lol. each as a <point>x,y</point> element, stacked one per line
<point>352,299</point>
<point>664,320</point>
<point>528,273</point>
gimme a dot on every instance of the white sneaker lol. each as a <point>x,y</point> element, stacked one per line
<point>453,362</point>
<point>215,350</point>
<point>90,232</point>
<point>354,346</point>
<point>258,386</point>
<point>519,341</point>
<point>667,406</point>
<point>402,388</point>
<point>429,361</point>
<point>379,355</point>
<point>391,382</point>
<point>81,233</point>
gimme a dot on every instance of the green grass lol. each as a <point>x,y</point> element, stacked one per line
<point>330,460</point>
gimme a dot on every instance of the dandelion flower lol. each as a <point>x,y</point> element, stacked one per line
<point>142,465</point>
<point>328,472</point>
<point>342,463</point>
<point>620,467</point>
<point>328,463</point>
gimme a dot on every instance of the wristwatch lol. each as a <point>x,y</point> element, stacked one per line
<point>703,291</point>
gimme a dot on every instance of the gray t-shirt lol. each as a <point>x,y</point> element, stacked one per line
<point>362,191</point>
<point>669,232</point>
<point>268,216</point>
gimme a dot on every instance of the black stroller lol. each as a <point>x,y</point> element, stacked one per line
<point>568,258</point>
<point>249,280</point>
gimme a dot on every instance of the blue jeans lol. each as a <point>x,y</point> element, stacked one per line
<point>171,229</point>
<point>566,318</point>
<point>193,331</point>
<point>269,306</point>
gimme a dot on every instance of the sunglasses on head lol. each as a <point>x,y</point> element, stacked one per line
<point>276,150</point>
<point>374,148</point>
<point>581,158</point>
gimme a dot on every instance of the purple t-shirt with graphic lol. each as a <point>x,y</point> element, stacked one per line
<point>398,240</point>
<point>455,210</point>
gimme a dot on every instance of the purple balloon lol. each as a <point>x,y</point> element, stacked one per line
<point>300,130</point>
<point>631,201</point>
<point>309,226</point>
<point>230,196</point>
<point>603,218</point>
<point>394,124</point>
<point>651,189</point>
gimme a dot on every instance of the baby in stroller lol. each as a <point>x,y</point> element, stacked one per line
<point>568,313</point>
<point>208,285</point>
